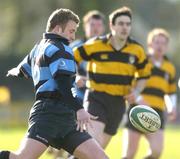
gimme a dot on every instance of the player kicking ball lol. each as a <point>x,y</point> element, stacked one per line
<point>56,119</point>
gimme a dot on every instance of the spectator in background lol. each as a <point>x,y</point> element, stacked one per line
<point>160,83</point>
<point>112,61</point>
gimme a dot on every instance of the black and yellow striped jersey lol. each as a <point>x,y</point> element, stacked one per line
<point>160,83</point>
<point>109,70</point>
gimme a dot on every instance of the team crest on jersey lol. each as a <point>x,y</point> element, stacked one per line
<point>62,63</point>
<point>131,59</point>
<point>104,56</point>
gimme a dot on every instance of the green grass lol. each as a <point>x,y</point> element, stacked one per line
<point>171,150</point>
<point>10,139</point>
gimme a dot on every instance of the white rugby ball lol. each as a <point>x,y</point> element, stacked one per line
<point>145,119</point>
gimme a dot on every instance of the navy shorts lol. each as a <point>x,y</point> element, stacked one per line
<point>53,123</point>
<point>109,109</point>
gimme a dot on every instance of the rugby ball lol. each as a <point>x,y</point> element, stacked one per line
<point>145,119</point>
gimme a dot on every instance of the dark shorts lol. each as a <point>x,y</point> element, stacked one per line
<point>108,108</point>
<point>54,124</point>
<point>160,112</point>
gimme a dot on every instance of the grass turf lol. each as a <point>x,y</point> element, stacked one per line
<point>10,138</point>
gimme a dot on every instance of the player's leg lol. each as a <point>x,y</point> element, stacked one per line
<point>97,132</point>
<point>114,112</point>
<point>130,145</point>
<point>35,143</point>
<point>109,110</point>
<point>155,150</point>
<point>96,108</point>
<point>90,149</point>
<point>93,102</point>
<point>131,138</point>
<point>57,154</point>
<point>29,149</point>
<point>81,145</point>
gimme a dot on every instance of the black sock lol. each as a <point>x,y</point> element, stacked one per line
<point>4,154</point>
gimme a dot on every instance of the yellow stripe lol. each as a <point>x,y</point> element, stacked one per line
<point>96,46</point>
<point>154,101</point>
<point>119,90</point>
<point>167,66</point>
<point>136,50</point>
<point>115,68</point>
<point>158,82</point>
<point>172,88</point>
<point>145,71</point>
<point>77,56</point>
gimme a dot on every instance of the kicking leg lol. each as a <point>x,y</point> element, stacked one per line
<point>29,149</point>
<point>90,149</point>
<point>155,149</point>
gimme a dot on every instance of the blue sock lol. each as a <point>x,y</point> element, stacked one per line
<point>4,154</point>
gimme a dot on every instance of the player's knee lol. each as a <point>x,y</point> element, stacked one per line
<point>90,150</point>
<point>102,155</point>
<point>101,143</point>
<point>98,156</point>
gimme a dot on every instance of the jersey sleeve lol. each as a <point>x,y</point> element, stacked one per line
<point>172,82</point>
<point>25,67</point>
<point>143,65</point>
<point>81,54</point>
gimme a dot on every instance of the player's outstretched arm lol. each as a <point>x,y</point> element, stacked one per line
<point>13,72</point>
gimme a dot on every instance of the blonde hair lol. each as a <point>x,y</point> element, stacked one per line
<point>155,32</point>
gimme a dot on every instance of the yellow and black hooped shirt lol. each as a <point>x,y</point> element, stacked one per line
<point>160,83</point>
<point>109,70</point>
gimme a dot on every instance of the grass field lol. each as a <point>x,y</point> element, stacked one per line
<point>11,137</point>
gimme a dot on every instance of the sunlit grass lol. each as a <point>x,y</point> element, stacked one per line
<point>10,139</point>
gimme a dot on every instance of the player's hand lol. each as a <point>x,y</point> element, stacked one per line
<point>84,120</point>
<point>13,72</point>
<point>81,81</point>
<point>131,98</point>
<point>140,100</point>
<point>172,115</point>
